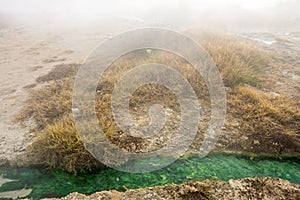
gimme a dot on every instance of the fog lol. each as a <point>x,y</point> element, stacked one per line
<point>228,15</point>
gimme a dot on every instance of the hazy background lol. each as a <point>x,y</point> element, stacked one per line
<point>232,15</point>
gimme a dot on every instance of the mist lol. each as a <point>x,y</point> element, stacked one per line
<point>232,15</point>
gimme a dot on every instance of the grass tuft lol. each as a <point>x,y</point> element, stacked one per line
<point>49,104</point>
<point>274,121</point>
<point>61,147</point>
<point>59,72</point>
<point>239,61</point>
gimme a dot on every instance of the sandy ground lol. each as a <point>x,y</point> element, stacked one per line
<point>285,78</point>
<point>29,51</point>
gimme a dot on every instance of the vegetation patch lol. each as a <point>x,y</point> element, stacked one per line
<point>59,72</point>
<point>270,123</point>
<point>56,183</point>
<point>240,63</point>
<point>49,104</point>
<point>61,147</point>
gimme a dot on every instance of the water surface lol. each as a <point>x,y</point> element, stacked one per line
<point>218,167</point>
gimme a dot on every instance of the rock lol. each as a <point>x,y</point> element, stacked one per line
<point>273,94</point>
<point>249,188</point>
<point>256,142</point>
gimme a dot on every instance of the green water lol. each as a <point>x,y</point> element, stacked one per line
<point>221,167</point>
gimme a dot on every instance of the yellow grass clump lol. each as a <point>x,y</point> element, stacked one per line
<point>239,61</point>
<point>61,147</point>
<point>272,121</point>
<point>264,114</point>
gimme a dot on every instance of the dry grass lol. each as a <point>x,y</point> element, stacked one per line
<point>59,72</point>
<point>264,114</point>
<point>273,121</point>
<point>60,147</point>
<point>239,62</point>
<point>49,104</point>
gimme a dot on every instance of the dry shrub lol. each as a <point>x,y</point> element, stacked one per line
<point>143,97</point>
<point>273,121</point>
<point>49,104</point>
<point>239,61</point>
<point>60,147</point>
<point>264,114</point>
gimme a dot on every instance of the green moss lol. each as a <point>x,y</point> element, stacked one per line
<point>57,183</point>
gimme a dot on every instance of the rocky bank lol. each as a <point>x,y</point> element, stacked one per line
<point>243,189</point>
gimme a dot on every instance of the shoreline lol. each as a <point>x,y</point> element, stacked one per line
<point>220,168</point>
<point>247,188</point>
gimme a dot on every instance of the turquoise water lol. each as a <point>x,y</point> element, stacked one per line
<point>221,167</point>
